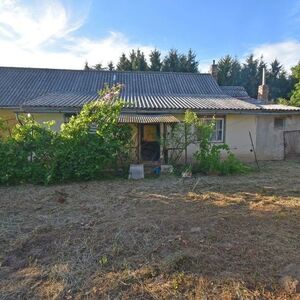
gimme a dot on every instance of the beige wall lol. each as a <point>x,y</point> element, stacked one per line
<point>44,117</point>
<point>237,137</point>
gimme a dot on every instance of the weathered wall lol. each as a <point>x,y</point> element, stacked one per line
<point>270,141</point>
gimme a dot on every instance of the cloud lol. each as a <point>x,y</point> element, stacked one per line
<point>287,52</point>
<point>43,35</point>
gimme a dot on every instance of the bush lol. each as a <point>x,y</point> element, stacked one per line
<point>208,156</point>
<point>85,148</point>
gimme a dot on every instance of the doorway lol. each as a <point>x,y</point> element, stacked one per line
<point>150,142</point>
<point>291,144</point>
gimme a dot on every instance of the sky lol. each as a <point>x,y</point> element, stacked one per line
<point>66,33</point>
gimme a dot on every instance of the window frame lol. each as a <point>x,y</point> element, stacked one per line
<point>222,131</point>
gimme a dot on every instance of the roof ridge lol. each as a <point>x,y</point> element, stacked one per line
<point>102,71</point>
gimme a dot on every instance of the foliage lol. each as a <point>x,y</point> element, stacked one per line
<point>229,71</point>
<point>208,156</point>
<point>295,98</point>
<point>155,60</point>
<point>198,131</point>
<point>172,62</point>
<point>249,75</point>
<point>37,154</point>
<point>178,138</point>
<point>124,63</point>
<point>138,61</point>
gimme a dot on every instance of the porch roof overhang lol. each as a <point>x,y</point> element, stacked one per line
<point>147,118</point>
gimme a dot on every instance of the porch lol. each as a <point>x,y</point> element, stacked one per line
<point>149,136</point>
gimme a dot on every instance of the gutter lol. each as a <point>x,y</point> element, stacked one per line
<point>168,111</point>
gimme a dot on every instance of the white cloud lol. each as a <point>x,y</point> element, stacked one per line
<point>287,52</point>
<point>43,35</point>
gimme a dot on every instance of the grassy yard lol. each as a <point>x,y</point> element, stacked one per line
<point>227,237</point>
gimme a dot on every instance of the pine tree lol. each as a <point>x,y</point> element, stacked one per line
<point>182,63</point>
<point>86,66</point>
<point>133,60</point>
<point>249,76</point>
<point>171,62</point>
<point>98,67</point>
<point>138,60</point>
<point>124,63</point>
<point>229,71</point>
<point>191,63</point>
<point>155,61</point>
<point>110,66</point>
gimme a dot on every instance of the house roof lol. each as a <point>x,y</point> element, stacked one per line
<point>34,89</point>
<point>235,91</point>
<point>23,84</point>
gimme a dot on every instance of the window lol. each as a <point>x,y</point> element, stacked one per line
<point>68,116</point>
<point>279,123</point>
<point>218,131</point>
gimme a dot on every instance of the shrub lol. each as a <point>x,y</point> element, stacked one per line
<point>37,154</point>
<point>208,157</point>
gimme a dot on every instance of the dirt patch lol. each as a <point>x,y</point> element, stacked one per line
<point>166,238</point>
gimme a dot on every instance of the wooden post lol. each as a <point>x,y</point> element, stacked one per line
<point>254,151</point>
<point>164,152</point>
<point>185,143</point>
<point>139,143</point>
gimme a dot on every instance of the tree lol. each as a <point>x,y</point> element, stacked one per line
<point>138,60</point>
<point>249,76</point>
<point>155,61</point>
<point>171,62</point>
<point>192,63</point>
<point>111,66</point>
<point>86,66</point>
<point>98,67</point>
<point>229,71</point>
<point>295,98</point>
<point>124,63</point>
<point>182,63</point>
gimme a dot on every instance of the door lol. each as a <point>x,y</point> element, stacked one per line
<point>150,142</point>
<point>291,144</point>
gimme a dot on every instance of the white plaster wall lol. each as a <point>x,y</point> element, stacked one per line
<point>44,117</point>
<point>237,136</point>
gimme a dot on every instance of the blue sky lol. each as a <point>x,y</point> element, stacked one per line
<point>65,33</point>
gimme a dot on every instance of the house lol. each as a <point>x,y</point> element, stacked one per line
<point>155,101</point>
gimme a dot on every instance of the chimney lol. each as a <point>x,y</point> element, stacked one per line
<point>263,89</point>
<point>214,70</point>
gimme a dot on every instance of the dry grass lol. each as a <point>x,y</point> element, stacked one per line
<point>153,239</point>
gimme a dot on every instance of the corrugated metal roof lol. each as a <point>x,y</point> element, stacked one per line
<point>18,85</point>
<point>279,107</point>
<point>153,102</point>
<point>53,89</point>
<point>146,119</point>
<point>235,91</point>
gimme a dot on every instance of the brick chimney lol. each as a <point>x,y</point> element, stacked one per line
<point>263,89</point>
<point>214,70</point>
